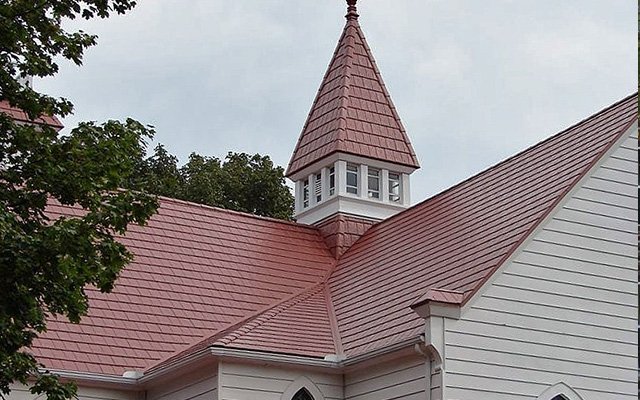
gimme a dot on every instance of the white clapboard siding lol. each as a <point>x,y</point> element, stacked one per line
<point>250,382</point>
<point>201,384</point>
<point>400,379</point>
<point>19,392</point>
<point>564,309</point>
<point>435,384</point>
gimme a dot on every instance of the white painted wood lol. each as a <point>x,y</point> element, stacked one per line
<point>363,187</point>
<point>347,203</point>
<point>249,382</point>
<point>384,189</point>
<point>341,177</point>
<point>201,384</point>
<point>400,379</point>
<point>564,308</point>
<point>435,389</point>
<point>20,392</point>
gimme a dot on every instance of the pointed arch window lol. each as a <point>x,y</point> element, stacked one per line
<point>302,394</point>
<point>559,391</point>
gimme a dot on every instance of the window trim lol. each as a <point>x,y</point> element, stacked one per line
<point>355,190</point>
<point>302,382</point>
<point>317,186</point>
<point>390,195</point>
<point>305,193</point>
<point>331,181</point>
<point>378,177</point>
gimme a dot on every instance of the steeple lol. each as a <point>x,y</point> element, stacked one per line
<point>352,133</point>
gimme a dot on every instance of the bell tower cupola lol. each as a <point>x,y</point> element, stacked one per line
<point>353,157</point>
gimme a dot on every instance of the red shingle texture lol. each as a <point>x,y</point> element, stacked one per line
<point>209,277</point>
<point>439,296</point>
<point>299,326</point>
<point>341,231</point>
<point>196,271</point>
<point>457,239</point>
<point>21,116</point>
<point>353,112</point>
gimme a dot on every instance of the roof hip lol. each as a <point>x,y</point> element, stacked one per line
<point>352,103</point>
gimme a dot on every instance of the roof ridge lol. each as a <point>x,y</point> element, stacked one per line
<point>352,112</point>
<point>208,340</point>
<point>317,96</point>
<point>402,213</point>
<point>559,199</point>
<point>235,212</point>
<point>386,93</point>
<point>346,79</point>
<point>333,320</point>
<point>269,314</point>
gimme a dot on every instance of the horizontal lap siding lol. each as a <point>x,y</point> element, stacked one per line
<point>394,380</point>
<point>199,385</point>
<point>19,392</point>
<point>565,308</point>
<point>250,382</point>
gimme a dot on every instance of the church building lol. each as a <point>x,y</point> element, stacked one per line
<point>520,282</point>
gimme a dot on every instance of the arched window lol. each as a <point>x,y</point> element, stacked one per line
<point>302,394</point>
<point>302,388</point>
<point>560,391</point>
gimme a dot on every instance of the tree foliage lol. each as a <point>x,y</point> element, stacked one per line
<point>46,263</point>
<point>242,182</point>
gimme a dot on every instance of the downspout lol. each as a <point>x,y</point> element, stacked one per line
<point>436,306</point>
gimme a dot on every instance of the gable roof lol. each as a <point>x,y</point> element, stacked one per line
<point>352,112</point>
<point>196,270</point>
<point>298,325</point>
<point>21,116</point>
<point>204,277</point>
<point>455,240</point>
<point>442,250</point>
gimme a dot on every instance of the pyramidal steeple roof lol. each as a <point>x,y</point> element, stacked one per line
<point>352,112</point>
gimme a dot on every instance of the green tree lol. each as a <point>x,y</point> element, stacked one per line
<point>202,178</point>
<point>253,184</point>
<point>243,182</point>
<point>46,263</point>
<point>158,174</point>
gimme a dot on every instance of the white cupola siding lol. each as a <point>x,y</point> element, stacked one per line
<point>352,185</point>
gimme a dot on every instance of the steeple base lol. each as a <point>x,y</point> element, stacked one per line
<point>341,231</point>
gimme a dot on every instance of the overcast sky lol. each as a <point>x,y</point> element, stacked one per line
<point>473,81</point>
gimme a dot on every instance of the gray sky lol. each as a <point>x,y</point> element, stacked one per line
<point>473,81</point>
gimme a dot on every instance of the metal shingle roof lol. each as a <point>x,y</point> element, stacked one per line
<point>196,271</point>
<point>209,277</point>
<point>455,240</point>
<point>19,115</point>
<point>353,112</point>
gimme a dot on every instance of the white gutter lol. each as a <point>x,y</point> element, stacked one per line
<point>330,362</point>
<point>132,380</point>
<point>91,377</point>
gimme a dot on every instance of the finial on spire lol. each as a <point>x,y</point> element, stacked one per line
<point>352,12</point>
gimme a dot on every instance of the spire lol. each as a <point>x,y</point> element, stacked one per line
<point>352,112</point>
<point>352,12</point>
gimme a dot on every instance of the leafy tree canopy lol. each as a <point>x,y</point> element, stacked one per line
<point>46,263</point>
<point>242,182</point>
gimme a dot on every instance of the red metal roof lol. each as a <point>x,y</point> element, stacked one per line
<point>208,277</point>
<point>341,231</point>
<point>196,271</point>
<point>457,239</point>
<point>19,115</point>
<point>353,112</point>
<point>439,296</point>
<point>303,321</point>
